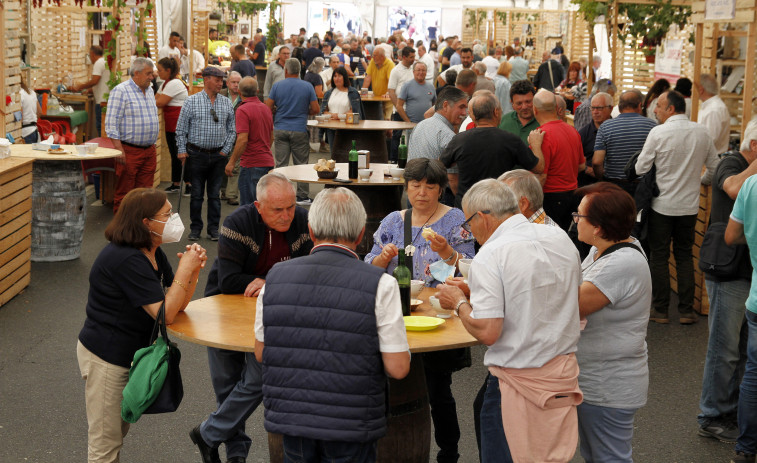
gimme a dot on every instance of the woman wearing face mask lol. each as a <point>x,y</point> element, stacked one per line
<point>129,281</point>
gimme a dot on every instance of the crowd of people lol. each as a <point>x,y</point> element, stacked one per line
<point>586,214</point>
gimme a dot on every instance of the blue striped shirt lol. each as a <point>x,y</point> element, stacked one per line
<point>132,115</point>
<point>197,126</point>
<point>620,138</point>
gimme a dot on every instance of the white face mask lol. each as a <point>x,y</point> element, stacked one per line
<point>173,230</point>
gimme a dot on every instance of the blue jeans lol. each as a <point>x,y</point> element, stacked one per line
<point>248,181</point>
<point>494,446</point>
<point>237,379</point>
<point>747,442</point>
<point>206,169</point>
<point>605,433</point>
<point>98,121</point>
<point>303,450</point>
<point>32,137</point>
<point>726,350</point>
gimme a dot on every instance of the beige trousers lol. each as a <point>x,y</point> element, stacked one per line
<point>103,392</point>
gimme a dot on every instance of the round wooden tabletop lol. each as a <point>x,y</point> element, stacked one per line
<point>227,322</point>
<point>363,125</point>
<point>71,154</point>
<point>375,98</point>
<point>305,173</point>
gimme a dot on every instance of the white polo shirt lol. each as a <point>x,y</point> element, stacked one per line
<point>529,275</point>
<point>714,115</point>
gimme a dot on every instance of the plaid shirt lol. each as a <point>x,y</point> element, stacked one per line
<point>541,217</point>
<point>197,126</point>
<point>132,115</point>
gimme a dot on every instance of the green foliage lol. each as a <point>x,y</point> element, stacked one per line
<point>274,27</point>
<point>243,8</point>
<point>476,18</point>
<point>502,16</point>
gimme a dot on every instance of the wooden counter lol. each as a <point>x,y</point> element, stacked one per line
<point>15,226</point>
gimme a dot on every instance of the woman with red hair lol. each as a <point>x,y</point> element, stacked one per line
<point>573,79</point>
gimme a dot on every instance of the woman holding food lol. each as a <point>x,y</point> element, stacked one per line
<point>436,235</point>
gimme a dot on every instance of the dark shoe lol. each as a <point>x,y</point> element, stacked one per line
<point>659,317</point>
<point>742,457</point>
<point>173,188</point>
<point>724,432</point>
<point>236,460</point>
<point>194,236</point>
<point>187,190</point>
<point>208,453</point>
<point>233,201</point>
<point>223,196</point>
<point>688,318</point>
<point>213,236</point>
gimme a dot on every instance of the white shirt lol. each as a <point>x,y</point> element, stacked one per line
<point>428,60</point>
<point>389,321</point>
<point>29,111</point>
<point>492,66</point>
<point>199,63</point>
<point>388,49</point>
<point>339,102</point>
<point>714,115</point>
<point>168,52</point>
<point>678,148</point>
<point>326,76</point>
<point>399,75</point>
<point>101,87</point>
<point>528,274</point>
<point>176,90</point>
<point>457,67</point>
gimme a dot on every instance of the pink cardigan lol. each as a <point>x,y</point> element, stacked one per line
<point>539,410</point>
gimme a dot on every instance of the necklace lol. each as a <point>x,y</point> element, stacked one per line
<point>150,258</point>
<point>410,248</point>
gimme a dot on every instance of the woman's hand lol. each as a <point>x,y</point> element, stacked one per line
<point>440,246</point>
<point>195,257</point>
<point>387,254</point>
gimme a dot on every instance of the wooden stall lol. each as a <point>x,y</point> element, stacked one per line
<point>15,226</point>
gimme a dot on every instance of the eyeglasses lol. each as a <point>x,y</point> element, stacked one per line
<point>466,225</point>
<point>599,108</point>
<point>165,214</point>
<point>577,216</point>
<point>213,113</point>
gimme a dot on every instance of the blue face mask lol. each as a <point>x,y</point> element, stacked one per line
<point>440,270</point>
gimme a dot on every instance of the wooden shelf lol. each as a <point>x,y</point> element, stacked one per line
<point>730,96</point>
<point>732,62</point>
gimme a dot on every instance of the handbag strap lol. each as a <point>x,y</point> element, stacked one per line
<point>409,236</point>
<point>160,324</point>
<point>617,246</point>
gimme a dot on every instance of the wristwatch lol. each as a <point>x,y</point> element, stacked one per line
<point>457,307</point>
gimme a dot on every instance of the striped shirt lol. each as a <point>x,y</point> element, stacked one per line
<point>197,126</point>
<point>429,138</point>
<point>132,115</point>
<point>621,138</point>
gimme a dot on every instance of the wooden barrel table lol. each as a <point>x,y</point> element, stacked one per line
<point>59,200</point>
<point>225,321</point>
<point>380,194</point>
<point>368,135</point>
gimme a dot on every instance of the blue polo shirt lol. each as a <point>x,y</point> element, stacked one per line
<point>292,98</point>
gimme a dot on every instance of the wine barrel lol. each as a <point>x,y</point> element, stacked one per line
<point>59,210</point>
<point>408,432</point>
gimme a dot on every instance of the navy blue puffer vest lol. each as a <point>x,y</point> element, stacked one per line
<point>323,377</point>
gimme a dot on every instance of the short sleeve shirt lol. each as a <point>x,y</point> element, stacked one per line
<point>380,76</point>
<point>747,201</point>
<point>563,154</point>
<point>176,90</point>
<point>244,67</point>
<point>418,98</point>
<point>254,118</point>
<point>511,123</point>
<point>260,50</point>
<point>612,350</point>
<point>101,87</point>
<point>292,97</point>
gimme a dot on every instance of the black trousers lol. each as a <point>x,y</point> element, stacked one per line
<point>559,206</point>
<point>443,414</point>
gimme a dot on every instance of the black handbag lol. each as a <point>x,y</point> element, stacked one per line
<point>716,258</point>
<point>172,393</point>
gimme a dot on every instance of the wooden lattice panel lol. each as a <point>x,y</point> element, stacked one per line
<point>579,43</point>
<point>151,30</point>
<point>10,58</point>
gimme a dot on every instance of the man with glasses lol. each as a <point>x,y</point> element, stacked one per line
<point>582,113</point>
<point>601,110</point>
<point>617,140</point>
<point>531,334</point>
<point>275,71</point>
<point>206,132</point>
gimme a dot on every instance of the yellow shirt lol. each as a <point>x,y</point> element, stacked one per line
<point>380,76</point>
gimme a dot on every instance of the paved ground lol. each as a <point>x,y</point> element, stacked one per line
<point>42,416</point>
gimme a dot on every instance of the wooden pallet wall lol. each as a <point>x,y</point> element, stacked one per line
<point>579,43</point>
<point>15,226</point>
<point>13,16</point>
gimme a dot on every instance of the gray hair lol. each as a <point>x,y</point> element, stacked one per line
<point>525,185</point>
<point>270,179</point>
<point>709,83</point>
<point>314,42</point>
<point>604,85</point>
<point>493,196</point>
<point>139,64</point>
<point>478,49</point>
<point>480,68</point>
<point>235,74</point>
<point>750,134</point>
<point>292,66</point>
<point>379,51</point>
<point>605,96</point>
<point>451,95</point>
<point>483,105</point>
<point>317,65</point>
<point>419,63</point>
<point>248,87</point>
<point>337,214</point>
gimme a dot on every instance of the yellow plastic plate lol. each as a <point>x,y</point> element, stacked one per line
<point>420,323</point>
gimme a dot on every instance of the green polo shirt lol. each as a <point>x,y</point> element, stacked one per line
<point>511,123</point>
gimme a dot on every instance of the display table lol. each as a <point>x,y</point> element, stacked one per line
<point>73,119</point>
<point>227,322</point>
<point>88,101</point>
<point>15,226</point>
<point>374,106</point>
<point>369,135</point>
<point>59,200</point>
<point>380,194</point>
